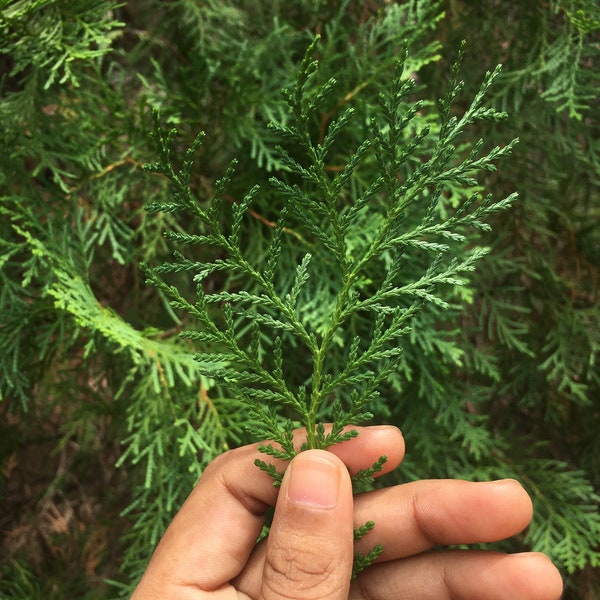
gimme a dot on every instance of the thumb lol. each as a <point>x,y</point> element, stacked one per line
<point>310,546</point>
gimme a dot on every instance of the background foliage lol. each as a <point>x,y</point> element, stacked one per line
<point>106,420</point>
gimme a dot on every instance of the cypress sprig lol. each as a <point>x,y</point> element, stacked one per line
<point>319,204</point>
<point>251,327</point>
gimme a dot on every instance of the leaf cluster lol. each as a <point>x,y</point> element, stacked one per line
<point>272,317</point>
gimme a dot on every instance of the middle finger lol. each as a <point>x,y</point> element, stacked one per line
<point>414,517</point>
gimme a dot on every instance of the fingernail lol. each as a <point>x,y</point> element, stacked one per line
<point>500,483</point>
<point>504,485</point>
<point>314,480</point>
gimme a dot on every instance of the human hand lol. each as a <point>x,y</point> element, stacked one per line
<point>209,550</point>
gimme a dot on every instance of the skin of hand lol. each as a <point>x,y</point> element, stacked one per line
<point>209,552</point>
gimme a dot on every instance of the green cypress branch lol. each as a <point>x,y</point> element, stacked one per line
<point>331,224</point>
<point>259,323</point>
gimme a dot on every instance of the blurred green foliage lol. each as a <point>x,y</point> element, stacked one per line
<point>97,386</point>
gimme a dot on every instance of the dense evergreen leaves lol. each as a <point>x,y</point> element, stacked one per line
<point>343,250</point>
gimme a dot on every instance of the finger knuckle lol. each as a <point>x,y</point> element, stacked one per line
<point>299,575</point>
